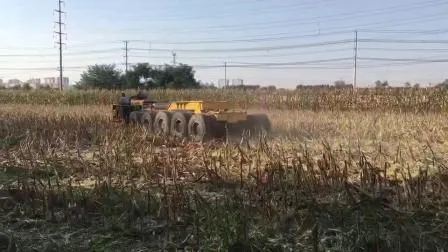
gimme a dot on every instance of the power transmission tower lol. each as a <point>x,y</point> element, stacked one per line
<point>126,64</point>
<point>355,59</point>
<point>126,50</point>
<point>60,33</point>
<point>174,58</point>
<point>149,53</point>
<point>225,74</point>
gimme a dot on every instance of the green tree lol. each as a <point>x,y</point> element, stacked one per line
<point>139,72</point>
<point>183,77</point>
<point>142,75</point>
<point>101,76</point>
<point>167,76</point>
<point>380,84</point>
<point>26,86</point>
<point>339,84</point>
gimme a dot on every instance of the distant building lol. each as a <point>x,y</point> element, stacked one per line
<point>55,82</point>
<point>237,82</point>
<point>233,82</point>
<point>34,83</point>
<point>223,82</point>
<point>1,83</point>
<point>13,83</point>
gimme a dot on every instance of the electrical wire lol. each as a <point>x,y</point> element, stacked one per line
<point>422,50</point>
<point>341,16</point>
<point>253,11</point>
<point>250,49</point>
<point>258,38</point>
<point>244,64</point>
<point>153,42</point>
<point>68,53</point>
<point>333,18</point>
<point>275,55</point>
<point>404,59</point>
<point>436,31</point>
<point>404,41</point>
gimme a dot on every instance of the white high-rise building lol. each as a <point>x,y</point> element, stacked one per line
<point>223,82</point>
<point>14,83</point>
<point>34,83</point>
<point>55,82</point>
<point>237,82</point>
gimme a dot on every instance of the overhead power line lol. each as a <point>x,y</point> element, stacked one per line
<point>434,31</point>
<point>265,39</point>
<point>311,64</point>
<point>285,47</point>
<point>402,64</point>
<point>37,68</point>
<point>253,49</point>
<point>243,64</point>
<point>404,41</point>
<point>257,38</point>
<point>404,59</point>
<point>315,20</point>
<point>267,55</point>
<point>71,53</point>
<point>423,50</point>
<point>340,16</point>
<point>232,11</point>
<point>266,48</point>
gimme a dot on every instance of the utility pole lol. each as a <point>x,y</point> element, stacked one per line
<point>174,58</point>
<point>149,53</point>
<point>60,33</point>
<point>126,50</point>
<point>355,59</point>
<point>225,74</point>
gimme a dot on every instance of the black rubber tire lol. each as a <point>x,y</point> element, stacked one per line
<point>139,116</point>
<point>179,124</point>
<point>147,120</point>
<point>258,122</point>
<point>197,130</point>
<point>220,131</point>
<point>135,117</point>
<point>161,124</point>
<point>204,128</point>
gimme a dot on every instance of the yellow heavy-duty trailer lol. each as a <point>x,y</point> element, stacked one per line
<point>196,120</point>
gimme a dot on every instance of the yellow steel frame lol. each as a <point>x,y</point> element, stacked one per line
<point>230,117</point>
<point>202,106</point>
<point>222,110</point>
<point>137,102</point>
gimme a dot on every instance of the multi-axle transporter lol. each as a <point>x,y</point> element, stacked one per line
<point>196,120</point>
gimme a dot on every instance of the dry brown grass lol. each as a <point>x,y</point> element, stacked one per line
<point>396,100</point>
<point>319,182</point>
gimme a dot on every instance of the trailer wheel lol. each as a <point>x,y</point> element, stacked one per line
<point>179,124</point>
<point>147,120</point>
<point>135,117</point>
<point>203,128</point>
<point>162,123</point>
<point>197,131</point>
<point>259,122</point>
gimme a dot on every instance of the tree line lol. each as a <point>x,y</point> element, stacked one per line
<point>182,76</point>
<point>141,75</point>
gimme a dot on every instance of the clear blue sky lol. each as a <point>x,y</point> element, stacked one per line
<point>291,39</point>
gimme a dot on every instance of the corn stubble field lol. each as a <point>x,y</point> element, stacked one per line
<point>341,171</point>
